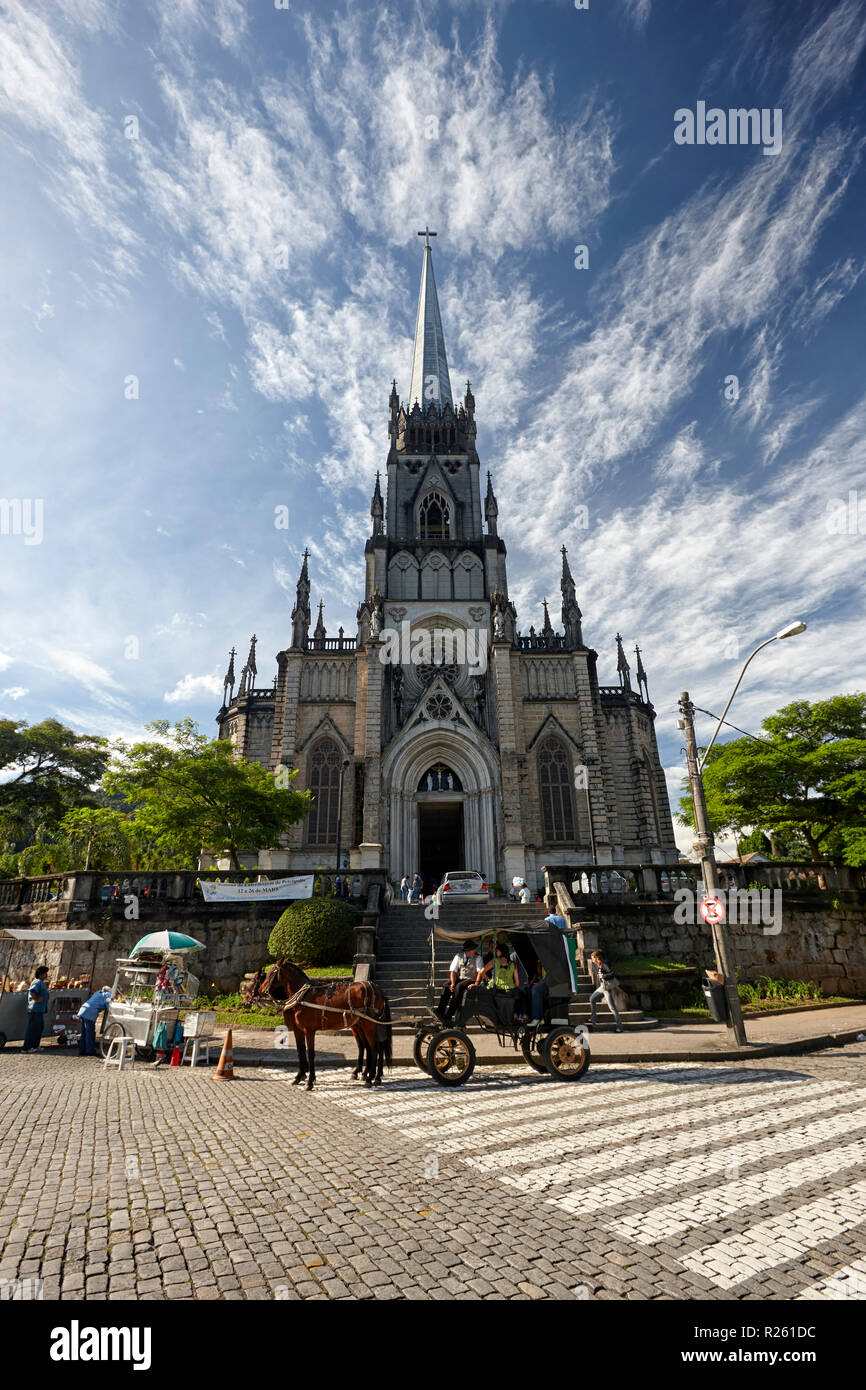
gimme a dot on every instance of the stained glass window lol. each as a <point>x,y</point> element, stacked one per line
<point>554,775</point>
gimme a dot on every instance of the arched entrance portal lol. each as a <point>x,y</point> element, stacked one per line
<point>441,785</point>
<point>441,845</point>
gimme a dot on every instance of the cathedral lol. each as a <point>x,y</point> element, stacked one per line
<point>438,736</point>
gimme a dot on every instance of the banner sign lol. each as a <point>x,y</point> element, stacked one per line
<point>299,887</point>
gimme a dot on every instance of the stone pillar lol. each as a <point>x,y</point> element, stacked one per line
<point>372,850</point>
<point>514,861</point>
<point>286,712</point>
<point>595,756</point>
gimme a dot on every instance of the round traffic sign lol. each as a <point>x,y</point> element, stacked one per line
<point>713,910</point>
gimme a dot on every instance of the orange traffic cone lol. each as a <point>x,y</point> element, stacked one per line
<point>225,1070</point>
<point>175,1058</point>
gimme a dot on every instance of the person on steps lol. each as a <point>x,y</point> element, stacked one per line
<point>604,982</point>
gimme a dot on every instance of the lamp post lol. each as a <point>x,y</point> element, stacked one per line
<point>721,942</point>
<point>705,840</point>
<point>343,766</point>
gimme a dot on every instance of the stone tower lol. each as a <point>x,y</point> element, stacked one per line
<point>458,740</point>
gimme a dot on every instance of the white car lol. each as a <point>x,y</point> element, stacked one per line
<point>464,886</point>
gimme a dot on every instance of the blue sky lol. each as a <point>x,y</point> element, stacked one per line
<point>251,258</point>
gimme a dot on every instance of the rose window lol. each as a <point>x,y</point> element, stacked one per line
<point>439,707</point>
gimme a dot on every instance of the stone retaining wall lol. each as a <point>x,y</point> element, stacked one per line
<point>822,940</point>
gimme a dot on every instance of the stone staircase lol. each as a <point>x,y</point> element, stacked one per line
<point>403,959</point>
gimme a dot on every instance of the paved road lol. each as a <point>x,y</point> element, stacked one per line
<point>642,1182</point>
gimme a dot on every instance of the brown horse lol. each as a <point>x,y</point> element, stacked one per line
<point>359,1006</point>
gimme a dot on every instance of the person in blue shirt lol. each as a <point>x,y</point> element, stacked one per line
<point>556,921</point>
<point>89,1013</point>
<point>37,1003</point>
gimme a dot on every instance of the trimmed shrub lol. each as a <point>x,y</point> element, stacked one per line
<point>315,931</point>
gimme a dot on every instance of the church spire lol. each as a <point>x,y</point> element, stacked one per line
<point>622,665</point>
<point>491,511</point>
<point>571,614</point>
<point>301,610</point>
<point>320,632</point>
<point>229,682</point>
<point>643,689</point>
<point>250,671</point>
<point>430,382</point>
<point>547,626</point>
<point>377,508</point>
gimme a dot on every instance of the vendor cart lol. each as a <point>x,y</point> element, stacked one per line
<point>63,1002</point>
<point>144,996</point>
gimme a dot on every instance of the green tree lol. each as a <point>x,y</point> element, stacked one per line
<point>99,837</point>
<point>803,783</point>
<point>45,770</point>
<point>192,794</point>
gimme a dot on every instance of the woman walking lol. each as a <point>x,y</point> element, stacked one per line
<point>605,982</point>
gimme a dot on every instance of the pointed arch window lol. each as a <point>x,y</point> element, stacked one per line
<point>554,777</point>
<point>434,518</point>
<point>324,783</point>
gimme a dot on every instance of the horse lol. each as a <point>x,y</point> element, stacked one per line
<point>361,1005</point>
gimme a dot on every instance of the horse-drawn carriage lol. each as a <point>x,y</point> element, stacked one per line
<point>446,1052</point>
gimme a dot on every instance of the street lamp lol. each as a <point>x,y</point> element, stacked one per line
<point>791,630</point>
<point>343,767</point>
<point>705,840</point>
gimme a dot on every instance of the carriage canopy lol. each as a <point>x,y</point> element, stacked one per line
<point>554,948</point>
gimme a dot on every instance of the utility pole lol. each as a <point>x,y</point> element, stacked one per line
<point>721,940</point>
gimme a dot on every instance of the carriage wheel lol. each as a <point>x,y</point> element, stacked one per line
<point>420,1046</point>
<point>533,1051</point>
<point>106,1037</point>
<point>566,1054</point>
<point>450,1057</point>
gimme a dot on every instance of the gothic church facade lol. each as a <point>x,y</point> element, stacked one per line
<point>421,760</point>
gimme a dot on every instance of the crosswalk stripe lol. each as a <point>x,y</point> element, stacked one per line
<point>517,1086</point>
<point>673,1218</point>
<point>676,1115</point>
<point>470,1107</point>
<point>698,1137</point>
<point>774,1242</point>
<point>846,1283</point>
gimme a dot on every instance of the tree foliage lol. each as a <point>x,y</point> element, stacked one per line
<point>45,770</point>
<point>192,794</point>
<point>803,783</point>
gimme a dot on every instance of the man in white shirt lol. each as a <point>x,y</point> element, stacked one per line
<point>526,894</point>
<point>463,972</point>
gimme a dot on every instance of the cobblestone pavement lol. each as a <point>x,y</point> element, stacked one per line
<point>641,1182</point>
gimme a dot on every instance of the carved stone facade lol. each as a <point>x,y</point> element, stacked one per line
<point>438,736</point>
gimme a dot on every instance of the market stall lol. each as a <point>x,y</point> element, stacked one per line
<point>151,988</point>
<point>66,992</point>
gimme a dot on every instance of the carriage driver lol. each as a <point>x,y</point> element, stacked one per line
<point>464,971</point>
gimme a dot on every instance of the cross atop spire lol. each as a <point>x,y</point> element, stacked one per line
<point>430,384</point>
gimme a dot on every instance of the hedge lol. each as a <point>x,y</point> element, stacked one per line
<point>315,931</point>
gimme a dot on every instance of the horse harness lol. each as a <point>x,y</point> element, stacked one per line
<point>298,1000</point>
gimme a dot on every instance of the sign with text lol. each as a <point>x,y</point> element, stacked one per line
<point>301,886</point>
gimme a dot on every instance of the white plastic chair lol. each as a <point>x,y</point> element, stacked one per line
<point>197,1044</point>
<point>120,1051</point>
